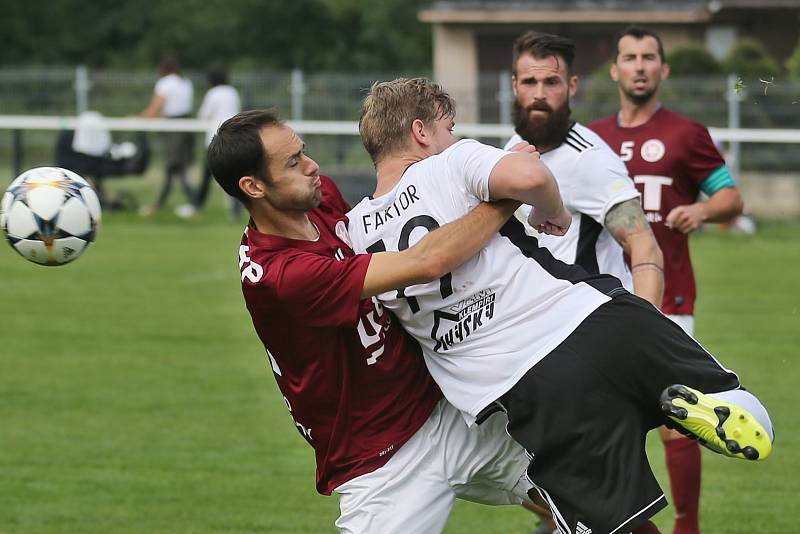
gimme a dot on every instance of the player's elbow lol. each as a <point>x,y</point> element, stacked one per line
<point>420,264</point>
<point>730,205</point>
<point>737,205</point>
<point>518,175</point>
<point>531,179</point>
<point>432,267</point>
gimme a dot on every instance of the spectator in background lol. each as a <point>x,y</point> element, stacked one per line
<point>173,98</point>
<point>220,103</point>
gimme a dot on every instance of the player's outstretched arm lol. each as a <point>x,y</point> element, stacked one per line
<point>439,252</point>
<point>722,206</point>
<point>522,176</point>
<point>627,223</point>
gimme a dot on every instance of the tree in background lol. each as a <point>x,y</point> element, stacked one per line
<point>692,59</point>
<point>793,63</point>
<point>749,58</point>
<point>342,35</point>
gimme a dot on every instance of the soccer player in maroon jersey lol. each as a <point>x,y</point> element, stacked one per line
<point>672,159</point>
<point>354,382</point>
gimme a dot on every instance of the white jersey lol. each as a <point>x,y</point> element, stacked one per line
<point>483,326</point>
<point>592,179</point>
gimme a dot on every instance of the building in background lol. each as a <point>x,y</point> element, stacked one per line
<point>472,38</point>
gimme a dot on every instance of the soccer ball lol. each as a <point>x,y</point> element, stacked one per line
<point>49,215</point>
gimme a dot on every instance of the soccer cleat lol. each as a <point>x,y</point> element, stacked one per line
<point>722,427</point>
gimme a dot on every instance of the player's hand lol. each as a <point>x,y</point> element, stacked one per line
<point>557,224</point>
<point>687,218</point>
<point>524,146</point>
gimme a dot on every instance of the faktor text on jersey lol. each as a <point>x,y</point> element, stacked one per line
<point>406,198</point>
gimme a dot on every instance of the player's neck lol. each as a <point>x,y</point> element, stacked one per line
<point>389,171</point>
<point>544,149</point>
<point>292,224</point>
<point>632,114</point>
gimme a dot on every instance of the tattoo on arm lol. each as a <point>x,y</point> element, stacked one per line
<point>626,219</point>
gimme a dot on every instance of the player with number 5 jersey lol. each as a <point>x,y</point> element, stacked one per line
<point>671,159</point>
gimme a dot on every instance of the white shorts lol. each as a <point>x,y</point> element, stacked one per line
<point>684,321</point>
<point>445,459</point>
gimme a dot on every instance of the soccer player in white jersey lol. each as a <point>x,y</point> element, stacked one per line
<point>607,216</point>
<point>582,368</point>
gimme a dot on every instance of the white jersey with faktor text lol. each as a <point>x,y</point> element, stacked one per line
<point>483,326</point>
<point>592,180</point>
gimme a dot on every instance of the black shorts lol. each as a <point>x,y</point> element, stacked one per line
<point>584,410</point>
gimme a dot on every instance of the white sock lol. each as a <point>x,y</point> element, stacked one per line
<point>749,402</point>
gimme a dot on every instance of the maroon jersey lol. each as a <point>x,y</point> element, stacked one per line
<point>354,382</point>
<point>668,158</point>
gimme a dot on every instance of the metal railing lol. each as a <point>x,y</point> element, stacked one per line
<point>327,103</point>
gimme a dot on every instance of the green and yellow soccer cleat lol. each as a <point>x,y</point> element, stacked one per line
<point>722,427</point>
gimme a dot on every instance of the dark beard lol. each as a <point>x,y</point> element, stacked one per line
<point>544,133</point>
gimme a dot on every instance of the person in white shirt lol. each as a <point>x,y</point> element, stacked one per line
<point>582,368</point>
<point>173,98</point>
<point>607,217</point>
<point>220,103</point>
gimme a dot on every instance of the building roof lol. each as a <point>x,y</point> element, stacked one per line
<point>587,11</point>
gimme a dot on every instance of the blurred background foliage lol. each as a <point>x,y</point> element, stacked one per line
<point>343,35</point>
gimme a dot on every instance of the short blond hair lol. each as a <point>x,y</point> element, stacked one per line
<point>390,107</point>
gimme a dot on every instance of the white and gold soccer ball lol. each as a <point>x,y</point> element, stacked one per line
<point>49,215</point>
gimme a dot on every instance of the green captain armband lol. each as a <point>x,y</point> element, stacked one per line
<point>719,179</point>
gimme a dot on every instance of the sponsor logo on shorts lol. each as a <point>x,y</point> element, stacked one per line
<point>580,528</point>
<point>468,315</point>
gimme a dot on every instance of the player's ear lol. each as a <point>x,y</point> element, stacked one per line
<point>252,186</point>
<point>665,71</point>
<point>419,132</point>
<point>614,71</point>
<point>514,84</point>
<point>573,85</point>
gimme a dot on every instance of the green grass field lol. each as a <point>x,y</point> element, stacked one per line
<point>135,396</point>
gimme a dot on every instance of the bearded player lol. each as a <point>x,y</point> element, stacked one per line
<point>607,218</point>
<point>672,160</point>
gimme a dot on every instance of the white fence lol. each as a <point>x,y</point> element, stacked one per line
<point>18,124</point>
<point>768,195</point>
<point>27,122</point>
<point>725,103</point>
